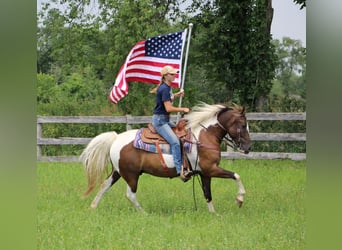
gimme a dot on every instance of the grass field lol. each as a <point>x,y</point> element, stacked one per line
<point>272,217</point>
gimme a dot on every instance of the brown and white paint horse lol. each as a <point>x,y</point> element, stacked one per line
<point>209,125</point>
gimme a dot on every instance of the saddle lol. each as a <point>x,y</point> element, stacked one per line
<point>151,136</point>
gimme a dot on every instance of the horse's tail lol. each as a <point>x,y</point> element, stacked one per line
<point>95,158</point>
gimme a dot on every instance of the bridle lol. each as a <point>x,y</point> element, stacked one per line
<point>226,138</point>
<point>230,142</point>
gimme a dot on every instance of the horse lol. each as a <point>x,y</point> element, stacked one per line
<point>209,126</point>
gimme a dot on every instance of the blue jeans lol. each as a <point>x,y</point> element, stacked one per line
<point>163,126</point>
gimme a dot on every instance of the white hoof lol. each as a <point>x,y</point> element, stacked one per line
<point>93,205</point>
<point>239,202</point>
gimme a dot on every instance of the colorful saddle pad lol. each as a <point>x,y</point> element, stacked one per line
<point>151,147</point>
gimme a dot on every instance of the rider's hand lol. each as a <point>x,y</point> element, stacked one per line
<point>186,110</point>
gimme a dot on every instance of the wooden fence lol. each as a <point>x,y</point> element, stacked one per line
<point>130,120</point>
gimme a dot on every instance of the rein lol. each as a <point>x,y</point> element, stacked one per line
<point>230,142</point>
<point>203,145</point>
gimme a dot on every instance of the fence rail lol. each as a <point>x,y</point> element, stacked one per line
<point>130,120</point>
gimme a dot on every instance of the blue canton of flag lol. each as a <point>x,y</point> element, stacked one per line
<point>169,47</point>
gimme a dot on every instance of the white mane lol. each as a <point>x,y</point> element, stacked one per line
<point>203,114</point>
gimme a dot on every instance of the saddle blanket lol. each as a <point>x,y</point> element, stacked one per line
<point>165,148</point>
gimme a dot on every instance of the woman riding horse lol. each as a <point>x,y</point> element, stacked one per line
<point>161,118</point>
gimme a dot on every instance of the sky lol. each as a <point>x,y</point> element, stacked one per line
<point>288,20</point>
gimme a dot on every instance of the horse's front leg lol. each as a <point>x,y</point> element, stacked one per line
<point>206,186</point>
<point>222,173</point>
<point>241,192</point>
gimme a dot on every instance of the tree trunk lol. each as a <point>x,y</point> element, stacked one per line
<point>261,101</point>
<point>269,16</point>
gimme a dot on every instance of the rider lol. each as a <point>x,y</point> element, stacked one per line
<point>161,117</point>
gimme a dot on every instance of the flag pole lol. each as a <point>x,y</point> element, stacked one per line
<point>185,65</point>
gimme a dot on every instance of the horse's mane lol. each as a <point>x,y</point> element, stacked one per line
<point>205,114</point>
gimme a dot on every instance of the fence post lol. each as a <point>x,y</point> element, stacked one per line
<point>128,125</point>
<point>39,135</point>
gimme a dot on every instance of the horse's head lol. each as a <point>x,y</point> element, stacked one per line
<point>234,121</point>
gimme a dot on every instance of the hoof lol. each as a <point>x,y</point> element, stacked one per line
<point>239,202</point>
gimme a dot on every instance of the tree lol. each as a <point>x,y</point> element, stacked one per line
<point>236,55</point>
<point>291,69</point>
<point>81,93</point>
<point>302,3</point>
<point>68,38</point>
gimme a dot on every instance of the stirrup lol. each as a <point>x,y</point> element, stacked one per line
<point>186,171</point>
<point>184,178</point>
<point>185,174</point>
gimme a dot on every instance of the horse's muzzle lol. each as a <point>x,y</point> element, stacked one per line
<point>245,148</point>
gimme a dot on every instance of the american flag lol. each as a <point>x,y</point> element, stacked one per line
<point>146,59</point>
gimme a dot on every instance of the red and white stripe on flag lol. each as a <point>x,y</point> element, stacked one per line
<point>145,61</point>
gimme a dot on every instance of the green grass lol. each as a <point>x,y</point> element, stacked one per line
<point>272,217</point>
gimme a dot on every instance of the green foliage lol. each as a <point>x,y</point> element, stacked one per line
<point>80,93</point>
<point>288,93</point>
<point>139,101</point>
<point>291,67</point>
<point>45,89</point>
<point>64,220</point>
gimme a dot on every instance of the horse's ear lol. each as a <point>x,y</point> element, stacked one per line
<point>243,110</point>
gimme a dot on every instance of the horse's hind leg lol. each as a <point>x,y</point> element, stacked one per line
<point>104,187</point>
<point>131,192</point>
<point>132,197</point>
